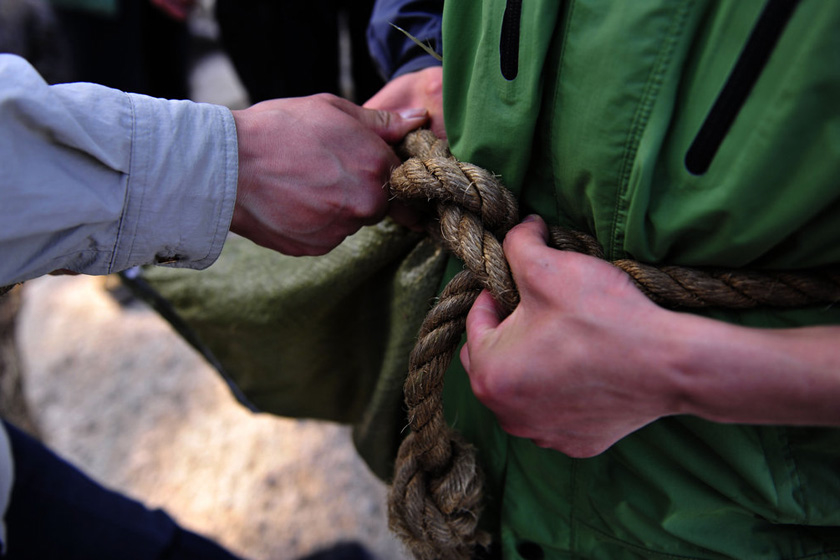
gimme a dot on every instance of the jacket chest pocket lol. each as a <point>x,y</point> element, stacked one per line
<point>509,42</point>
<point>740,82</point>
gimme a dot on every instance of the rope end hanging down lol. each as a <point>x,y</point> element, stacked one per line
<point>437,517</point>
<point>435,498</point>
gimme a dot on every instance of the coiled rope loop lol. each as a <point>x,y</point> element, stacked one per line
<point>436,493</point>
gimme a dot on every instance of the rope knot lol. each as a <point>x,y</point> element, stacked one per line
<point>437,512</point>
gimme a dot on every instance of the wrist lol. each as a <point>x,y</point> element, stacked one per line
<point>670,358</point>
<point>243,179</point>
<point>688,350</point>
<point>697,352</point>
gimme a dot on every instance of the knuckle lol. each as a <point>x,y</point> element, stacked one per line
<point>371,203</point>
<point>481,388</point>
<point>533,271</point>
<point>319,103</point>
<point>490,385</point>
<point>384,119</point>
<point>520,243</point>
<point>325,98</point>
<point>433,86</point>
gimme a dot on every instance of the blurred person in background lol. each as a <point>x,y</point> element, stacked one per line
<point>142,46</point>
<point>283,48</point>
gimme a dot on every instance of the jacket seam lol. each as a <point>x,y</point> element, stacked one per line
<point>640,118</point>
<point>573,477</point>
<point>127,201</point>
<point>554,101</point>
<point>796,479</point>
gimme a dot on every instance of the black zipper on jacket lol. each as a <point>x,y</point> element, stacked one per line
<point>744,75</point>
<point>509,44</point>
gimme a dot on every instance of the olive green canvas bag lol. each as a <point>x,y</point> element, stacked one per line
<point>311,337</point>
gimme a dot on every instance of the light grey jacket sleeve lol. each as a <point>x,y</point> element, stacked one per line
<point>95,180</point>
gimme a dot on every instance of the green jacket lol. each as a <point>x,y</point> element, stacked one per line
<point>592,111</point>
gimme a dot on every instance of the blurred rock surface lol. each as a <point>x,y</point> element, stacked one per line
<point>115,391</point>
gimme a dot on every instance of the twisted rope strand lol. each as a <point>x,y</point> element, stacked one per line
<point>435,497</point>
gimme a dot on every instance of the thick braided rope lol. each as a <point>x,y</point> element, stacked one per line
<point>435,496</point>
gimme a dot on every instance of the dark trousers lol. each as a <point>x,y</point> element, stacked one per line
<point>57,512</point>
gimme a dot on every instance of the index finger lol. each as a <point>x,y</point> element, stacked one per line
<point>484,316</point>
<point>520,240</point>
<point>528,254</point>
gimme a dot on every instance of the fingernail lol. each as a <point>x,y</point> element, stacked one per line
<point>531,218</point>
<point>410,114</point>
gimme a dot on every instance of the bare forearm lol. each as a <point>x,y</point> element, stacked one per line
<point>728,373</point>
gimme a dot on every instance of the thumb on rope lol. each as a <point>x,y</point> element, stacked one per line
<point>484,317</point>
<point>532,230</point>
<point>529,256</point>
<point>388,125</point>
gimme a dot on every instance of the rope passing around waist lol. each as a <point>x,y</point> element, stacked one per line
<point>435,496</point>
